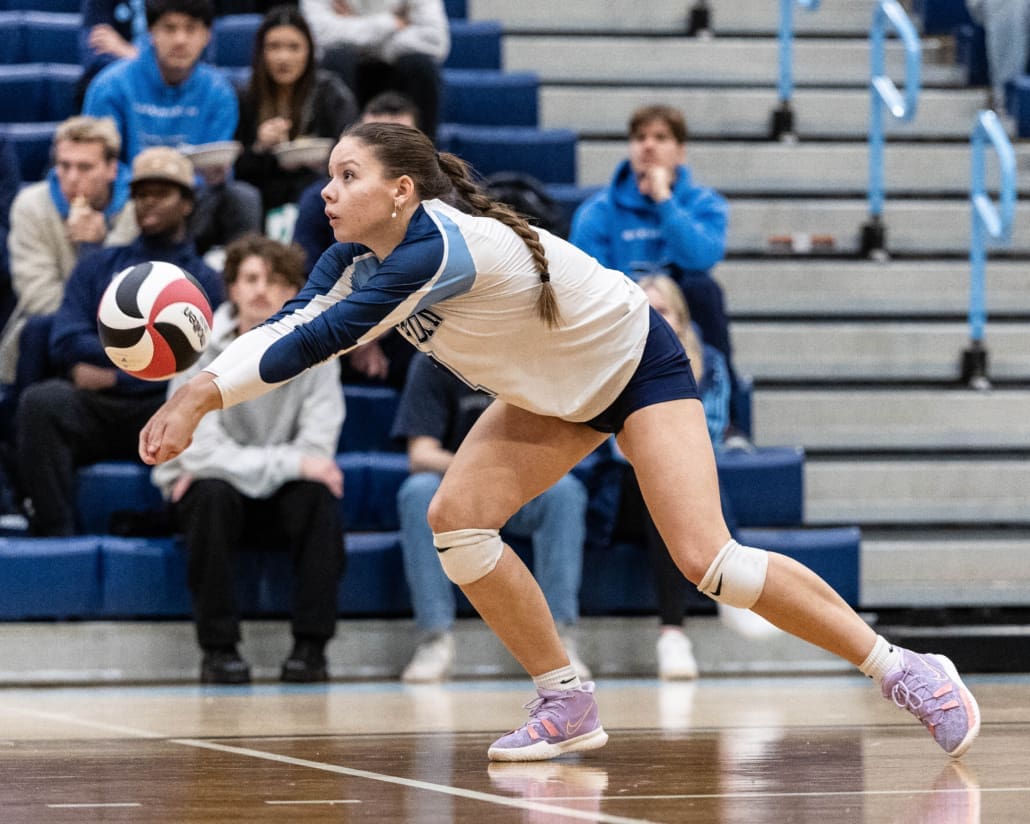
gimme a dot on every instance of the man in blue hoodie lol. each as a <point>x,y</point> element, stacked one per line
<point>94,411</point>
<point>165,96</point>
<point>653,219</point>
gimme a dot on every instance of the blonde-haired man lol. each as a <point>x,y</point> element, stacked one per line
<point>83,203</point>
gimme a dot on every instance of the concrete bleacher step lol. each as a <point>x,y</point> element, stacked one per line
<point>747,168</point>
<point>728,113</point>
<point>799,287</point>
<point>626,60</point>
<point>943,490</point>
<point>934,567</point>
<point>166,651</point>
<point>918,226</point>
<point>663,16</point>
<point>902,418</point>
<point>874,350</point>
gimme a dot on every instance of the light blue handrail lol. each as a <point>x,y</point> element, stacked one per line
<point>989,221</point>
<point>786,37</point>
<point>883,92</point>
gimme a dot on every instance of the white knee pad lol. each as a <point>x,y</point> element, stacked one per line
<point>468,554</point>
<point>736,576</point>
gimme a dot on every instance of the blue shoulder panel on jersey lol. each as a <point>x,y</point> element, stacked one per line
<point>377,289</point>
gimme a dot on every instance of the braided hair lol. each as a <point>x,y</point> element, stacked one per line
<point>405,151</point>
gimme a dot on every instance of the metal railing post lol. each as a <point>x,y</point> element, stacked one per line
<point>781,125</point>
<point>884,94</point>
<point>988,223</point>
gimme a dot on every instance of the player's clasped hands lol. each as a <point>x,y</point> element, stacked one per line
<point>170,430</point>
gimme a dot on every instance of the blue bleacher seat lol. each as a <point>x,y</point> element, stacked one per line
<point>51,37</point>
<point>475,44</point>
<point>232,39</point>
<point>31,143</point>
<point>49,578</point>
<point>456,9</point>
<point>570,195</point>
<point>374,583</point>
<point>489,98</point>
<point>832,553</point>
<point>370,484</point>
<point>55,6</point>
<point>547,154</point>
<point>61,83</point>
<point>109,486</point>
<point>11,37</point>
<point>23,93</point>
<point>941,16</point>
<point>765,486</point>
<point>370,414</point>
<point>143,577</point>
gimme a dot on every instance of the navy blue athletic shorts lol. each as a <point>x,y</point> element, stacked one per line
<point>664,374</point>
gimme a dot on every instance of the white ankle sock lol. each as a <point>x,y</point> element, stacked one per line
<point>881,660</point>
<point>564,678</point>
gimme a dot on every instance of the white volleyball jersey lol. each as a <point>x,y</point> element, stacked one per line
<point>462,289</point>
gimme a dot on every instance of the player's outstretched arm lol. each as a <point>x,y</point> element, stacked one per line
<point>170,430</point>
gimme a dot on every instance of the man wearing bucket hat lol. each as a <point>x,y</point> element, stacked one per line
<point>93,411</point>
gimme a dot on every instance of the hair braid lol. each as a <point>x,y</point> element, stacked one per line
<point>458,172</point>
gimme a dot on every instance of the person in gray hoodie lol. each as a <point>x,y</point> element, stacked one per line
<point>384,45</point>
<point>262,474</point>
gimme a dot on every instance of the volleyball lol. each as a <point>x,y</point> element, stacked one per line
<point>154,320</point>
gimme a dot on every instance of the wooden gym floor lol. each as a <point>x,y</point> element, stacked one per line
<point>820,749</point>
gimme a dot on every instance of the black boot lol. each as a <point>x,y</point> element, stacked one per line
<point>306,663</point>
<point>224,665</point>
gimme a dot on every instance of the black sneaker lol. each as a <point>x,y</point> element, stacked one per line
<point>224,666</point>
<point>306,663</point>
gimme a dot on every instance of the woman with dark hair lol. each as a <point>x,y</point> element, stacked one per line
<point>571,353</point>
<point>287,98</point>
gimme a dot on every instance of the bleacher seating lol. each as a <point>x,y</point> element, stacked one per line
<point>483,97</point>
<point>232,40</point>
<point>547,154</point>
<point>475,44</point>
<point>489,116</point>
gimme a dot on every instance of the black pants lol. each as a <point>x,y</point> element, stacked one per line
<point>417,76</point>
<point>302,517</point>
<point>60,428</point>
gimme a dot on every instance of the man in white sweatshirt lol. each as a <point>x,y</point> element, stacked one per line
<point>262,474</point>
<point>384,45</point>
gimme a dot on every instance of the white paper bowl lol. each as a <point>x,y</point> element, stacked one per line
<point>305,152</point>
<point>213,155</point>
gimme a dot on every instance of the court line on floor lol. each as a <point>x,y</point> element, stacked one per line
<point>500,800</point>
<point>134,732</point>
<point>473,795</point>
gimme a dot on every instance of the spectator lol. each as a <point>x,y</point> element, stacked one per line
<point>1006,26</point>
<point>435,413</point>
<point>262,474</point>
<point>652,218</point>
<point>380,45</point>
<point>83,204</point>
<point>166,97</point>
<point>288,97</point>
<point>94,411</point>
<point>382,361</point>
<point>10,180</point>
